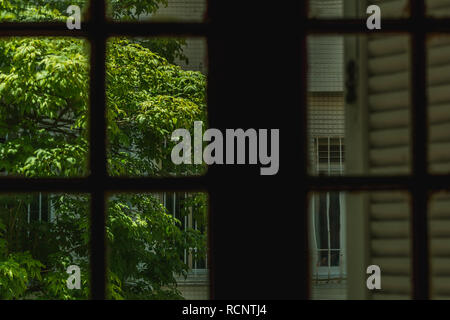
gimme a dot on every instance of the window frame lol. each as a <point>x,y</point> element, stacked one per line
<point>98,184</point>
<point>96,30</point>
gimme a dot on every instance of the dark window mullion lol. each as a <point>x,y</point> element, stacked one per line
<point>98,171</point>
<point>304,292</point>
<point>420,257</point>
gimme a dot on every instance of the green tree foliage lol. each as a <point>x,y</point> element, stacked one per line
<point>44,102</point>
<point>129,10</point>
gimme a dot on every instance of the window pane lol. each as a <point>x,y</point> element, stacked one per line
<point>438,8</point>
<point>439,237</point>
<point>158,246</point>
<point>40,10</point>
<point>158,10</point>
<point>41,237</point>
<point>326,9</point>
<point>335,9</point>
<point>348,232</point>
<point>438,47</point>
<point>155,87</point>
<point>44,85</point>
<point>359,105</point>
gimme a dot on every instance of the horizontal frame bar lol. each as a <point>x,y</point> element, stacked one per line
<point>109,184</point>
<point>340,26</point>
<point>108,29</point>
<point>333,26</point>
<point>202,183</point>
<point>368,183</point>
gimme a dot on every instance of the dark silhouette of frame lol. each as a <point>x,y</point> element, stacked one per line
<point>98,184</point>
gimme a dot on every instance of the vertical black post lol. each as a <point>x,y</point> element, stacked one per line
<point>303,148</point>
<point>212,52</point>
<point>419,126</point>
<point>98,149</point>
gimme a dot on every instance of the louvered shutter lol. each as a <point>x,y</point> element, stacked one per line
<point>439,232</point>
<point>439,153</point>
<point>388,92</point>
<point>438,8</point>
<point>390,244</point>
<point>439,102</point>
<point>385,95</point>
<point>325,9</point>
<point>388,104</point>
<point>383,64</point>
<point>392,8</point>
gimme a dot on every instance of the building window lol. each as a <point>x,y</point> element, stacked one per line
<point>178,205</point>
<point>329,155</point>
<point>39,208</point>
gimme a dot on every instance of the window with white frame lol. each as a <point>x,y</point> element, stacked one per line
<point>329,155</point>
<point>175,205</point>
<point>39,208</point>
<point>328,212</point>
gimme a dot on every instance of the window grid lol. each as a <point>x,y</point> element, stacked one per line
<point>420,183</point>
<point>97,29</point>
<point>173,201</point>
<point>329,154</point>
<point>98,184</point>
